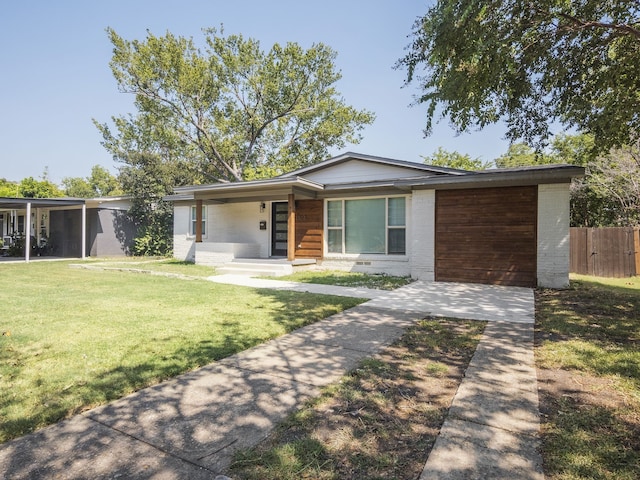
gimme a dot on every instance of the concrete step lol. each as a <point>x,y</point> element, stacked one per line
<point>256,269</point>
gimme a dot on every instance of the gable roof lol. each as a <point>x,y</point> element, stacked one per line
<point>424,177</point>
<point>348,156</point>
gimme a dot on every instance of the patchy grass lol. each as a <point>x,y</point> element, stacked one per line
<point>347,279</point>
<point>73,339</point>
<point>168,266</point>
<point>588,357</point>
<point>379,421</point>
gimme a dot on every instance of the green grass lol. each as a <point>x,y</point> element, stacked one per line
<point>158,265</point>
<point>347,279</point>
<point>590,335</point>
<point>74,338</point>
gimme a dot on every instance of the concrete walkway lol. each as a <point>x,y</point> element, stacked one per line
<point>191,426</point>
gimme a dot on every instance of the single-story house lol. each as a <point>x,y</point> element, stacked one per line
<point>379,215</point>
<point>67,227</point>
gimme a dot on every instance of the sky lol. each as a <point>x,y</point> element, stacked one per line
<point>55,76</point>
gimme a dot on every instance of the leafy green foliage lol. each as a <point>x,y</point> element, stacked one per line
<point>31,188</point>
<point>148,179</point>
<point>101,183</point>
<point>8,189</point>
<point>608,195</point>
<point>616,177</point>
<point>229,107</point>
<point>443,158</point>
<point>531,64</point>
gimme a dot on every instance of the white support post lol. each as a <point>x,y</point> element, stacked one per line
<point>84,230</point>
<point>27,233</point>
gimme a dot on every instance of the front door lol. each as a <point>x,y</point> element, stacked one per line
<point>279,228</point>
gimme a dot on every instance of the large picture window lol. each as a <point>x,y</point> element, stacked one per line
<point>367,226</point>
<point>192,228</point>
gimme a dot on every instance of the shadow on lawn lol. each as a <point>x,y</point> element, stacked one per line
<point>195,417</point>
<point>292,310</point>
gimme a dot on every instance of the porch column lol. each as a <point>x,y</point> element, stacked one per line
<point>84,230</point>
<point>198,221</point>
<point>27,233</point>
<point>291,228</point>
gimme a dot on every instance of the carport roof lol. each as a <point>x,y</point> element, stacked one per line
<point>20,203</point>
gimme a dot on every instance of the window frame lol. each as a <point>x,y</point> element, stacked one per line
<point>192,221</point>
<point>343,227</point>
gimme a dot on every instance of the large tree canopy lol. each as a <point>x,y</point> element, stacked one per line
<point>531,64</point>
<point>229,111</point>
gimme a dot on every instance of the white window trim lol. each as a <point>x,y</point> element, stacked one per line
<point>367,256</point>
<point>205,220</point>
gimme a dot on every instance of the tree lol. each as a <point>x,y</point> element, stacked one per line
<point>531,64</point>
<point>101,183</point>
<point>8,188</point>
<point>231,110</point>
<point>31,188</point>
<point>616,177</point>
<point>149,178</point>
<point>443,158</point>
<point>609,193</point>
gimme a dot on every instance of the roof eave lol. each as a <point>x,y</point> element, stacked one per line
<point>506,177</point>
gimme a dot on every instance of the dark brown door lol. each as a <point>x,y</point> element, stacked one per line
<point>279,228</point>
<point>487,235</point>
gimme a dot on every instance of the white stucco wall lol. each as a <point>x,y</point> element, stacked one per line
<point>553,235</point>
<point>422,240</point>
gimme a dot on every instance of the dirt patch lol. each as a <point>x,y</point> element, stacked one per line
<point>381,420</point>
<point>577,388</point>
<point>588,368</point>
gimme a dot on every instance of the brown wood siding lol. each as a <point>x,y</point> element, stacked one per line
<point>487,235</point>
<point>309,229</point>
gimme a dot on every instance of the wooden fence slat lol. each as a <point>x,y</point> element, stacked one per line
<point>605,252</point>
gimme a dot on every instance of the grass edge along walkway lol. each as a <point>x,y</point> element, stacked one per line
<point>83,338</point>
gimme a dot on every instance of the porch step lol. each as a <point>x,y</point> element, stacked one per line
<point>261,268</point>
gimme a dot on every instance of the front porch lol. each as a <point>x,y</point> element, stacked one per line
<point>264,267</point>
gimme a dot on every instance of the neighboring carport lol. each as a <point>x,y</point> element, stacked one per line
<point>26,207</point>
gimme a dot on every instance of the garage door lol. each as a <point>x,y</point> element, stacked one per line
<point>486,235</point>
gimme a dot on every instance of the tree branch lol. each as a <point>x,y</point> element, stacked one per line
<point>621,27</point>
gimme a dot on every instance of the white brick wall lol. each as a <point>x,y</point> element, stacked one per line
<point>184,247</point>
<point>553,235</point>
<point>422,237</point>
<point>400,268</point>
<point>228,223</point>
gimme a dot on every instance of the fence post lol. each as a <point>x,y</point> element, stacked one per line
<point>636,249</point>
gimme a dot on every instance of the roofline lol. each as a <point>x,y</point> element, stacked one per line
<point>517,176</point>
<point>48,202</point>
<point>222,187</point>
<point>375,159</point>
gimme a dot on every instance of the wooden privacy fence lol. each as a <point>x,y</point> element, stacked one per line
<point>606,251</point>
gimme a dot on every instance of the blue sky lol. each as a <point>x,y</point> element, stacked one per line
<point>55,76</point>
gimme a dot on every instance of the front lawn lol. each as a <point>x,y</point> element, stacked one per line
<point>588,357</point>
<point>347,279</point>
<point>72,339</point>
